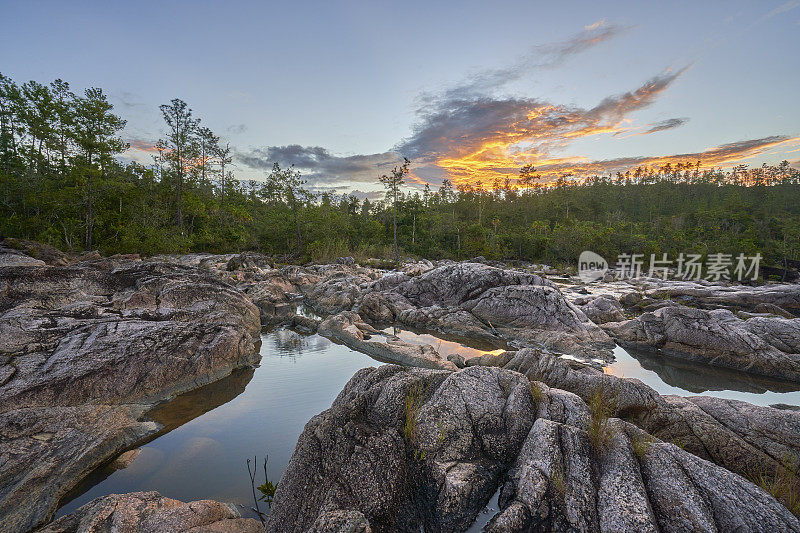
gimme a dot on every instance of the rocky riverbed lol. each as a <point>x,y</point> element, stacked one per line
<point>90,344</point>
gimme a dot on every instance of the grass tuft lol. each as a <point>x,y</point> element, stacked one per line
<point>558,481</point>
<point>641,442</point>
<point>783,484</point>
<point>537,392</point>
<point>602,406</point>
<point>413,403</point>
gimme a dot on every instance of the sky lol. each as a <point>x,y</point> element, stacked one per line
<point>468,91</point>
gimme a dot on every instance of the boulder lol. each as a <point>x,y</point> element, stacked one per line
<point>149,512</point>
<point>601,309</point>
<point>765,346</point>
<point>484,302</point>
<point>412,449</point>
<point>87,350</point>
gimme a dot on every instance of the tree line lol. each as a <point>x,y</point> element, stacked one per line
<point>64,184</point>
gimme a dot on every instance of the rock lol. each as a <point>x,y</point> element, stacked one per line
<point>457,360</point>
<point>406,448</point>
<point>764,346</point>
<point>10,257</point>
<point>45,253</point>
<point>772,309</point>
<point>250,261</point>
<point>348,329</point>
<point>630,299</point>
<point>738,436</point>
<point>349,261</point>
<point>733,296</point>
<point>484,302</point>
<point>93,347</point>
<point>601,309</point>
<point>149,512</point>
<point>411,449</point>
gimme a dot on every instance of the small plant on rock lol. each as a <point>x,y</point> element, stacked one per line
<point>537,392</point>
<point>783,484</point>
<point>602,405</point>
<point>641,442</point>
<point>558,481</point>
<point>413,403</point>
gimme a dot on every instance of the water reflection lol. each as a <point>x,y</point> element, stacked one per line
<point>668,375</point>
<point>209,433</point>
<point>445,345</point>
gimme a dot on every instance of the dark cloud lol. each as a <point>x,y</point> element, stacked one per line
<point>237,128</point>
<point>319,165</point>
<point>667,124</point>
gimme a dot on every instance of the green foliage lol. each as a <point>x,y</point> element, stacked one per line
<point>537,392</point>
<point>641,442</point>
<point>61,183</point>
<point>267,490</point>
<point>558,481</point>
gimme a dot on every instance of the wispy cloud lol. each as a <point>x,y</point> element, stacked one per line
<point>783,8</point>
<point>546,56</point>
<point>717,156</point>
<point>668,124</point>
<point>469,133</point>
<point>236,128</point>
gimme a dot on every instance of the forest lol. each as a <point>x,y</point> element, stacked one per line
<point>62,182</point>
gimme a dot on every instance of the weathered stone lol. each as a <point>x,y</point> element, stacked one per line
<point>487,303</point>
<point>93,346</point>
<point>404,449</point>
<point>149,512</point>
<point>766,346</point>
<point>601,309</point>
<point>348,328</point>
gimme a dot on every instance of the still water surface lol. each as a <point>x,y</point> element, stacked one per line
<point>209,433</point>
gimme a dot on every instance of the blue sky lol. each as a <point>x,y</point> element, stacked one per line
<point>342,89</point>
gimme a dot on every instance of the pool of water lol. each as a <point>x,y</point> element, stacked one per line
<point>209,433</point>
<point>668,375</point>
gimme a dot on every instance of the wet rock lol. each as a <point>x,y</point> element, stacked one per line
<point>149,512</point>
<point>93,347</point>
<point>764,346</point>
